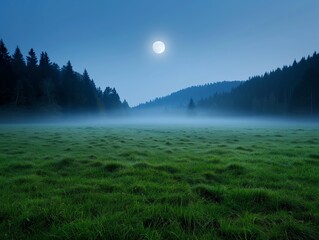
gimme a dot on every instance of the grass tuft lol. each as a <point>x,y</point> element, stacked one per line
<point>211,177</point>
<point>167,168</point>
<point>210,194</point>
<point>293,231</point>
<point>234,169</point>
<point>64,163</point>
<point>97,164</point>
<point>156,222</point>
<point>20,166</point>
<point>113,167</point>
<point>244,149</point>
<point>142,165</point>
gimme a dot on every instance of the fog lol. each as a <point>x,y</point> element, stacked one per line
<point>153,118</point>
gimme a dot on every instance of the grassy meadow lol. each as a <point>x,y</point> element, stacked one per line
<point>159,182</point>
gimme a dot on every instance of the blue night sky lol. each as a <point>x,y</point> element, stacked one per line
<point>206,41</point>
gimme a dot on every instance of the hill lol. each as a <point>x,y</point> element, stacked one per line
<point>181,98</point>
<point>291,90</point>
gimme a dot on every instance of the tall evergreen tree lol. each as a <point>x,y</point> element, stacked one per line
<point>33,80</point>
<point>19,69</point>
<point>46,84</point>
<point>89,92</point>
<point>32,60</point>
<point>6,75</point>
<point>18,60</point>
<point>44,60</point>
<point>69,89</point>
<point>191,105</point>
<point>4,54</point>
<point>125,105</point>
<point>111,99</point>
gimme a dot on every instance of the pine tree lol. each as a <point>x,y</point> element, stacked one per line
<point>32,60</point>
<point>32,75</point>
<point>111,99</point>
<point>65,90</point>
<point>18,60</point>
<point>4,54</point>
<point>191,107</point>
<point>19,69</point>
<point>70,89</point>
<point>44,60</point>
<point>125,105</point>
<point>47,86</point>
<point>6,75</point>
<point>89,92</point>
<point>191,104</point>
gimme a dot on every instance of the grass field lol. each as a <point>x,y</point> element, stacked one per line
<point>159,182</point>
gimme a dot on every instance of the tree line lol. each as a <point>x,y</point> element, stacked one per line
<point>41,85</point>
<point>291,90</point>
<point>180,99</point>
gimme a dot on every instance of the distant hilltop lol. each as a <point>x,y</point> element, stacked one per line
<point>181,98</point>
<point>290,90</point>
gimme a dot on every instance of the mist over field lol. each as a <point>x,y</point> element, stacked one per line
<point>167,120</point>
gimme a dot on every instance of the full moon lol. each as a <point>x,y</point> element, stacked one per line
<point>158,47</point>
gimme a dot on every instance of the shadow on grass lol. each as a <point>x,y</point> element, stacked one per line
<point>210,194</point>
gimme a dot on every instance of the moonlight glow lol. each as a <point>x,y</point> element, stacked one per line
<point>158,47</point>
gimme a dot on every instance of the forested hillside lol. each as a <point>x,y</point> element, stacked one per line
<point>181,98</point>
<point>42,86</point>
<point>290,90</point>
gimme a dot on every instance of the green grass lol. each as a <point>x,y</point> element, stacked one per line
<point>159,182</point>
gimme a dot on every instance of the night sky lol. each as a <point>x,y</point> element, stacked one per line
<point>206,41</point>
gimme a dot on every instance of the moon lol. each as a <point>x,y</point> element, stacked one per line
<point>158,47</point>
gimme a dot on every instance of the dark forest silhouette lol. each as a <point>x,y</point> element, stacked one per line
<point>42,86</point>
<point>292,90</point>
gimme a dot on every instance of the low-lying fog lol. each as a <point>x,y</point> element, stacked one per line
<point>167,120</point>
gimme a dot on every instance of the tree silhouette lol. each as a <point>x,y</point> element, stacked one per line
<point>18,62</point>
<point>89,92</point>
<point>191,105</point>
<point>6,75</point>
<point>111,99</point>
<point>19,69</point>
<point>43,86</point>
<point>125,104</point>
<point>32,60</point>
<point>44,60</point>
